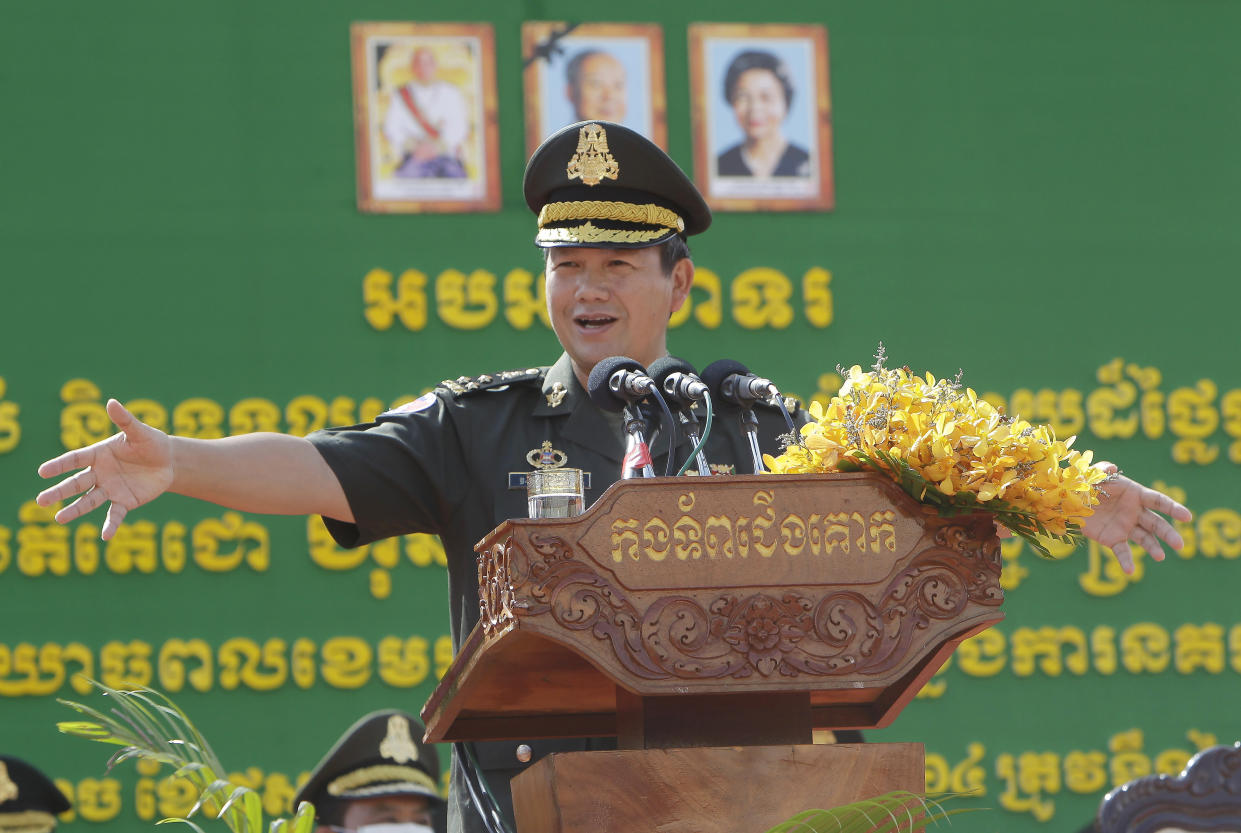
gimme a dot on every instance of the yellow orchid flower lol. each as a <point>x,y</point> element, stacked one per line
<point>953,441</point>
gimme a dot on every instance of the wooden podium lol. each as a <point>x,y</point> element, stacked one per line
<point>711,625</point>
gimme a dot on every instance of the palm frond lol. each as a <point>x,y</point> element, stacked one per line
<point>146,724</point>
<point>895,812</point>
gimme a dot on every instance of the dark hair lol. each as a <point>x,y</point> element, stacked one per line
<point>671,251</point>
<point>754,59</point>
<point>573,69</point>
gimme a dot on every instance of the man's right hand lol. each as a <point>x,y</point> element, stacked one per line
<point>128,469</point>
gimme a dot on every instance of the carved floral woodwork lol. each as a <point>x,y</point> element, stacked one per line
<point>893,577</point>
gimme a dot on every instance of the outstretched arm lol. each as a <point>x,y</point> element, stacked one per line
<point>1131,512</point>
<point>265,473</point>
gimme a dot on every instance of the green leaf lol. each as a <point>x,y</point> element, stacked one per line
<point>246,817</point>
<point>181,821</point>
<point>304,818</point>
<point>894,812</point>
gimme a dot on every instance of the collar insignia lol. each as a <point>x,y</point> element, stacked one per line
<point>398,745</point>
<point>8,790</point>
<point>556,395</point>
<point>593,162</point>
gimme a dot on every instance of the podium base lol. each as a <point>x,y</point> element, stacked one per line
<point>706,789</point>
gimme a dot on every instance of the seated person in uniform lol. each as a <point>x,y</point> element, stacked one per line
<point>29,801</point>
<point>614,212</point>
<point>378,778</point>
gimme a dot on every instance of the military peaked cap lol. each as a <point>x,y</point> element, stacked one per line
<point>602,185</point>
<point>382,754</point>
<point>29,801</point>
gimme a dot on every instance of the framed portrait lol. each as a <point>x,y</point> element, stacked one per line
<point>762,116</point>
<point>584,71</point>
<point>424,114</point>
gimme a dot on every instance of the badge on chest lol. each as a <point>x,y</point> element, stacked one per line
<point>541,458</point>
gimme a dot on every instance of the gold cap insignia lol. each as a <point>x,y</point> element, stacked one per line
<point>547,457</point>
<point>398,745</point>
<point>8,790</point>
<point>592,163</point>
<point>556,395</point>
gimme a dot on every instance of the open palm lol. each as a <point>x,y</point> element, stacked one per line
<point>126,470</point>
<point>1128,513</point>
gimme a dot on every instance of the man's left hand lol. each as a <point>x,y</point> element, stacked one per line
<point>1131,512</point>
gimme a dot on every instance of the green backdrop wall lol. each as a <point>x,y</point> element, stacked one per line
<point>1044,195</point>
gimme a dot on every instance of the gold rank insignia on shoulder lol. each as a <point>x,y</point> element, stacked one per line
<point>398,746</point>
<point>8,789</point>
<point>491,381</point>
<point>592,163</point>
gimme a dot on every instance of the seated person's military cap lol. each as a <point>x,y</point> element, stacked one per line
<point>29,801</point>
<point>602,185</point>
<point>380,755</point>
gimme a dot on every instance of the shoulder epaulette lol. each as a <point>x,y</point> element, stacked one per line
<point>464,385</point>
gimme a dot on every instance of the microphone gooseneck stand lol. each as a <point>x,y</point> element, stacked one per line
<point>689,424</point>
<point>749,424</point>
<point>637,452</point>
<point>682,389</point>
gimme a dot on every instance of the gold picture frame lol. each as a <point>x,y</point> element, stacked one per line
<point>424,111</point>
<point>762,116</point>
<point>593,71</point>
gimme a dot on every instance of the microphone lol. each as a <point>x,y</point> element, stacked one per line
<point>682,388</point>
<point>618,381</point>
<point>734,382</point>
<point>616,384</point>
<point>678,381</point>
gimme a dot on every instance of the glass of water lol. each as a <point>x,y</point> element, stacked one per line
<point>555,493</point>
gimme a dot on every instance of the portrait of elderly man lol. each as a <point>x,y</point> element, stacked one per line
<point>595,86</point>
<point>426,122</point>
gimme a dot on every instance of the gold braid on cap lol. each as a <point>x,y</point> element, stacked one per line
<point>28,821</point>
<point>625,212</point>
<point>383,773</point>
<point>591,233</point>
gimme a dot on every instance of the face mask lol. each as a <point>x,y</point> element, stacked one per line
<point>395,827</point>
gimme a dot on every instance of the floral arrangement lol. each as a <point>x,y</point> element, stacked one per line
<point>950,449</point>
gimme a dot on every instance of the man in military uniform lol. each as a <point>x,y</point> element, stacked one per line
<point>613,213</point>
<point>378,778</point>
<point>29,801</point>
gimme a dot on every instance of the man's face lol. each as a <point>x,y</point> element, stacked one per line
<point>600,95</point>
<point>424,66</point>
<point>613,302</point>
<point>386,809</point>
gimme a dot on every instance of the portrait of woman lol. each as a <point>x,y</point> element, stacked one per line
<point>762,116</point>
<point>759,89</point>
